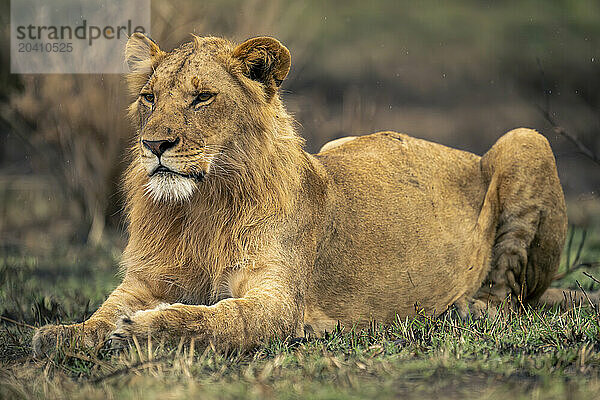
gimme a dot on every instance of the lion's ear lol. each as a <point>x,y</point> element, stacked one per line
<point>142,55</point>
<point>264,59</point>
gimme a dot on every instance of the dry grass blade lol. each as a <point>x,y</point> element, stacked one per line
<point>592,304</point>
<point>138,348</point>
<point>590,275</point>
<point>129,369</point>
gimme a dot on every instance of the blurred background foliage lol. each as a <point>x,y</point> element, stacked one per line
<point>459,73</point>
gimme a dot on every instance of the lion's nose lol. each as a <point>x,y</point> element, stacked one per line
<point>158,147</point>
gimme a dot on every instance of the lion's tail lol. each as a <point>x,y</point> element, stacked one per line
<point>567,298</point>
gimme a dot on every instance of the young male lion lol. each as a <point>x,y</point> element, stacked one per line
<point>237,235</point>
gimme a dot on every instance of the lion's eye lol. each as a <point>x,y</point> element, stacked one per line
<point>149,97</point>
<point>202,98</point>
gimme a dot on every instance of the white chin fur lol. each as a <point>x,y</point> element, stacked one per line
<point>170,187</point>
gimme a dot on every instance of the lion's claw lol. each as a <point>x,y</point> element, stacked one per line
<point>122,334</point>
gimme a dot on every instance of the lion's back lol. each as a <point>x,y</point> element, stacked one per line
<point>400,163</point>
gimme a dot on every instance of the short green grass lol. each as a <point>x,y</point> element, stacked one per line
<point>530,353</point>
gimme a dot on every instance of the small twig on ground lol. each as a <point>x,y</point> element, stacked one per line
<point>12,321</point>
<point>545,110</point>
<point>559,130</point>
<point>94,360</point>
<point>575,265</point>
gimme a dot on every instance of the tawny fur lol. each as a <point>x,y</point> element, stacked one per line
<point>274,242</point>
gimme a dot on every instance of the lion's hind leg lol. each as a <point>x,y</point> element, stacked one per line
<point>532,222</point>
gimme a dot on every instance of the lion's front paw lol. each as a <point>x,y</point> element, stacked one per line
<point>47,338</point>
